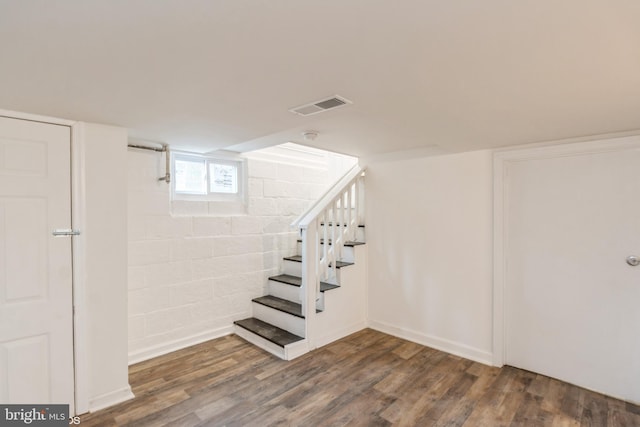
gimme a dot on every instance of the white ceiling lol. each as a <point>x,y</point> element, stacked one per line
<point>423,75</point>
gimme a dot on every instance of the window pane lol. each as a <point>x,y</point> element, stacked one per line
<point>190,176</point>
<point>223,178</point>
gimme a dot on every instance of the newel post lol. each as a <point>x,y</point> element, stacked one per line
<point>310,279</point>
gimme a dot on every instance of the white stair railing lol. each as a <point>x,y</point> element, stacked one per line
<point>325,227</point>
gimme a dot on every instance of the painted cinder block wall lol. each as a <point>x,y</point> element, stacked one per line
<point>193,272</point>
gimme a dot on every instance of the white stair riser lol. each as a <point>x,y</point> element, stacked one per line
<point>347,252</point>
<point>291,293</point>
<point>282,320</point>
<point>289,352</point>
<point>294,268</point>
<point>284,291</point>
<point>260,342</point>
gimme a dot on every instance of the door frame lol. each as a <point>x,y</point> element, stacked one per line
<point>502,160</point>
<point>78,257</point>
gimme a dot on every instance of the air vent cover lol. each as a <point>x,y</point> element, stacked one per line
<point>321,105</point>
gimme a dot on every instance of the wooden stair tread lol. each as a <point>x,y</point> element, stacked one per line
<point>298,258</point>
<point>340,225</point>
<point>348,244</point>
<point>327,286</point>
<point>297,281</point>
<point>281,304</point>
<point>268,331</point>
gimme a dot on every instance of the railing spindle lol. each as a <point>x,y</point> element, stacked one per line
<point>341,211</point>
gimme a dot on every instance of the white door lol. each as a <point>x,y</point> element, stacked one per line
<point>572,301</point>
<point>36,330</point>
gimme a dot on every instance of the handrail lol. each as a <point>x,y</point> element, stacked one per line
<point>316,209</point>
<point>325,228</point>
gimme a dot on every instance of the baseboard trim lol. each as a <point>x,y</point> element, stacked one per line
<point>110,399</point>
<point>164,348</point>
<point>340,333</point>
<point>441,344</point>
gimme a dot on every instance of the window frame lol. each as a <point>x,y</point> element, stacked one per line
<point>225,159</point>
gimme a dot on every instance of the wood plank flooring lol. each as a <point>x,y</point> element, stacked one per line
<point>366,379</point>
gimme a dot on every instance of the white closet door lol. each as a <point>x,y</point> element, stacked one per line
<point>572,301</point>
<point>36,329</point>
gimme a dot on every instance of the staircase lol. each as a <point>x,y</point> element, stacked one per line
<point>320,295</point>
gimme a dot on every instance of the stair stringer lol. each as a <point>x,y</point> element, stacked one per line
<point>345,308</point>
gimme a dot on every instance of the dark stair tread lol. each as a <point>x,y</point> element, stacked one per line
<point>327,286</point>
<point>347,244</point>
<point>340,264</point>
<point>268,331</point>
<point>297,281</point>
<point>298,258</point>
<point>281,304</point>
<point>340,225</point>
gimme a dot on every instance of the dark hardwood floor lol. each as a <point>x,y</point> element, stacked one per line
<point>366,379</point>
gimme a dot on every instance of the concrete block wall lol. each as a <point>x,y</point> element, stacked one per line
<point>193,272</point>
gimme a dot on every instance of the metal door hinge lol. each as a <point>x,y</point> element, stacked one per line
<point>65,232</point>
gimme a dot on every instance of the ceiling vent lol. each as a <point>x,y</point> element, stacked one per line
<point>325,104</point>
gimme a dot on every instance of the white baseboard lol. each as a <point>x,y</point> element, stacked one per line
<point>167,347</point>
<point>340,333</point>
<point>110,399</point>
<point>442,344</point>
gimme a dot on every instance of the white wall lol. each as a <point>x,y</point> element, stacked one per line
<point>429,237</point>
<point>104,238</point>
<point>191,274</point>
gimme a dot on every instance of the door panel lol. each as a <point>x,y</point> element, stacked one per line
<point>36,329</point>
<point>23,157</point>
<point>23,232</point>
<point>28,373</point>
<point>571,299</point>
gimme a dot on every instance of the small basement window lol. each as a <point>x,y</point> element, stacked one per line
<point>208,178</point>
